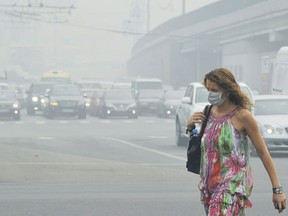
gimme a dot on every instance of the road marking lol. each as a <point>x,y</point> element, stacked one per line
<point>149,121</point>
<point>40,122</point>
<point>46,138</point>
<point>145,148</point>
<point>63,122</point>
<point>158,137</point>
<point>52,163</point>
<point>84,121</point>
<point>106,121</point>
<point>127,121</point>
<point>170,121</point>
<point>19,122</point>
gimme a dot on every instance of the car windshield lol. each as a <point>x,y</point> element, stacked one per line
<point>90,85</point>
<point>271,107</point>
<point>122,86</point>
<point>149,85</point>
<point>66,91</point>
<point>57,80</point>
<point>201,95</point>
<point>89,93</point>
<point>174,95</point>
<point>7,95</point>
<point>150,94</point>
<point>40,88</point>
<point>118,95</point>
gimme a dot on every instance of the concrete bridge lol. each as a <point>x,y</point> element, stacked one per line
<point>241,35</point>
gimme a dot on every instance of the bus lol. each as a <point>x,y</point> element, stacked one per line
<point>57,77</point>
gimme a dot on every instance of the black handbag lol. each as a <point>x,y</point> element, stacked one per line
<point>194,146</point>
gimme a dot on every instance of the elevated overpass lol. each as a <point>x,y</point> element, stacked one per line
<point>242,35</point>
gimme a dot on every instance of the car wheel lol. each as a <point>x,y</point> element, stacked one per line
<point>180,141</point>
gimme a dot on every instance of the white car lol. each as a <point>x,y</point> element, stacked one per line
<point>194,100</point>
<point>271,113</point>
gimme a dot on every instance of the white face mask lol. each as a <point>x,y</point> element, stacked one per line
<point>214,98</point>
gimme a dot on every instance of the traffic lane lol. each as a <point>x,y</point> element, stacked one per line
<point>147,196</point>
<point>260,198</point>
<point>35,125</point>
<point>105,198</point>
<point>56,157</point>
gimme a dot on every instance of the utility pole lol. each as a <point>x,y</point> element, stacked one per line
<point>148,16</point>
<point>183,7</point>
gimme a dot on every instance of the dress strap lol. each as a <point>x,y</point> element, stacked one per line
<point>229,115</point>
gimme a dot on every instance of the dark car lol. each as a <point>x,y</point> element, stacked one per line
<point>169,103</point>
<point>9,104</point>
<point>147,101</point>
<point>64,100</point>
<point>34,96</point>
<point>117,103</point>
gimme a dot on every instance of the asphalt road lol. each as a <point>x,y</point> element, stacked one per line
<point>122,167</point>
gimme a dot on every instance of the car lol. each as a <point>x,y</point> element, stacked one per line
<point>271,114</point>
<point>9,105</point>
<point>195,99</point>
<point>169,103</point>
<point>117,103</point>
<point>148,100</point>
<point>34,96</point>
<point>141,84</point>
<point>64,100</point>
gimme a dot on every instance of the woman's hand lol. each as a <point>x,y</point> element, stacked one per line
<point>279,201</point>
<point>197,117</point>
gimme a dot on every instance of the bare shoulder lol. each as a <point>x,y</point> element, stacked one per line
<point>244,115</point>
<point>243,120</point>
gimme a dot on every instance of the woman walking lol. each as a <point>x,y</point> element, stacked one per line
<point>226,180</point>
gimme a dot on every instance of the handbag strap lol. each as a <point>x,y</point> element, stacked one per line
<point>207,111</point>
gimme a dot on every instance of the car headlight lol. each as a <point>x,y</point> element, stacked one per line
<point>87,104</point>
<point>35,99</point>
<point>54,103</point>
<point>272,130</point>
<point>15,105</point>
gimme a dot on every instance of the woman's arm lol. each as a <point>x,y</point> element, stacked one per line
<point>250,127</point>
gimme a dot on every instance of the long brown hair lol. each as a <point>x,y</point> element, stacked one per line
<point>226,80</point>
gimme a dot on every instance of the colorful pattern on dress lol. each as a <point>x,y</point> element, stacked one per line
<point>226,179</point>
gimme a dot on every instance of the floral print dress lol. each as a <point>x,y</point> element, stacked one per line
<point>225,172</point>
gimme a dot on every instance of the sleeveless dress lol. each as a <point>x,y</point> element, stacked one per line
<point>225,171</point>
